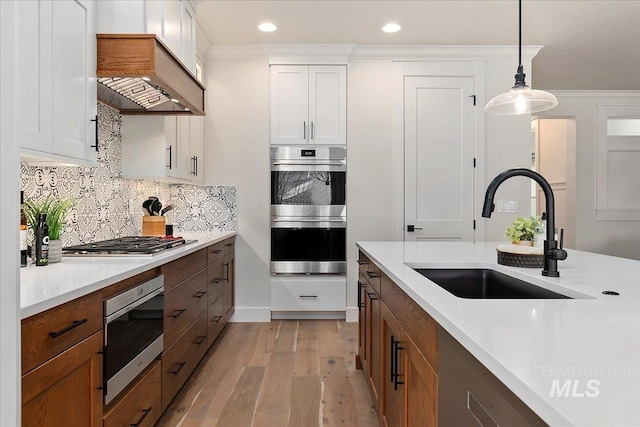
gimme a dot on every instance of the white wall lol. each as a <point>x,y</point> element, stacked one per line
<point>370,159</point>
<point>9,226</point>
<point>236,151</point>
<point>617,238</point>
<point>508,142</point>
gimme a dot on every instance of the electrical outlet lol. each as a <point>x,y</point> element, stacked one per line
<point>507,206</point>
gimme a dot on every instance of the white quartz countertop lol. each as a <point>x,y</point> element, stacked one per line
<point>531,344</point>
<point>42,288</point>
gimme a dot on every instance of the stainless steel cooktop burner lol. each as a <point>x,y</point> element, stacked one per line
<point>126,246</point>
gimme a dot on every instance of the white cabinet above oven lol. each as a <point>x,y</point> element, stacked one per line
<point>308,104</point>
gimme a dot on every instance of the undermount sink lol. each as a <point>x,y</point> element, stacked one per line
<point>483,283</point>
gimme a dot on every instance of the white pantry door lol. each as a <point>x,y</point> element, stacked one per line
<point>439,124</point>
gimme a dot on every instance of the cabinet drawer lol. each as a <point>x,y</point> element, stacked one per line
<point>181,269</point>
<point>422,329</point>
<point>182,305</point>
<point>215,320</point>
<point>308,294</point>
<point>179,360</point>
<point>215,279</point>
<point>143,400</point>
<point>215,252</point>
<point>229,245</point>
<point>370,271</point>
<point>44,335</point>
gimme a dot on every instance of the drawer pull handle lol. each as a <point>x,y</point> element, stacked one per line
<point>372,296</point>
<point>200,340</point>
<point>216,251</point>
<point>360,305</point>
<point>216,319</point>
<point>180,366</point>
<point>145,412</point>
<point>309,296</point>
<point>372,275</point>
<point>179,313</point>
<point>226,267</point>
<point>217,280</point>
<point>200,294</point>
<point>73,325</point>
<point>228,245</point>
<point>360,262</point>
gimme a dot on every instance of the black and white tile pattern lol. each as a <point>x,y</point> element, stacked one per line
<point>102,209</point>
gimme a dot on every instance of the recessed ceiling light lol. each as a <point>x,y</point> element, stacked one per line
<point>391,28</point>
<point>267,27</point>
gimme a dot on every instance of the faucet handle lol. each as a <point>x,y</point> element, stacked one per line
<point>560,254</point>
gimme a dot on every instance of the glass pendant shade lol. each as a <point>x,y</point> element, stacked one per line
<point>521,100</point>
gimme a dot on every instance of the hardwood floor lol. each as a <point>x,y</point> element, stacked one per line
<point>283,373</point>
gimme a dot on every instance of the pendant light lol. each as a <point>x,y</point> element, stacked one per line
<point>521,99</point>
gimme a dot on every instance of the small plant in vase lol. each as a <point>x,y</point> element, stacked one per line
<point>522,230</point>
<point>56,211</point>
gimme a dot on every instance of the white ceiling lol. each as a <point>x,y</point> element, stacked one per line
<point>588,44</point>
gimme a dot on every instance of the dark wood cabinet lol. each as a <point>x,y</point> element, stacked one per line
<point>67,389</point>
<point>140,406</point>
<point>399,351</point>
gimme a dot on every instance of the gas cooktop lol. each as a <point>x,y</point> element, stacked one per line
<point>126,246</point>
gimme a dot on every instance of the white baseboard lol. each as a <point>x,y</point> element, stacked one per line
<point>251,314</point>
<point>352,314</point>
<point>307,315</point>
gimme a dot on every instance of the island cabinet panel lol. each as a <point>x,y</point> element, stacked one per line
<point>183,304</point>
<point>141,405</point>
<point>44,335</point>
<point>469,392</point>
<point>398,351</point>
<point>418,324</point>
<point>181,269</point>
<point>66,390</point>
<point>392,412</point>
<point>179,360</point>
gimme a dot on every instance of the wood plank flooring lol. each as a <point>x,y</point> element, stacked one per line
<point>283,373</point>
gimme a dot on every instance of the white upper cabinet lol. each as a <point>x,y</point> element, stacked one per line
<point>308,104</point>
<point>167,148</point>
<point>57,81</point>
<point>173,21</point>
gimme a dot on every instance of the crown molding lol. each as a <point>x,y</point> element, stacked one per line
<point>307,53</point>
<point>303,53</point>
<point>444,52</point>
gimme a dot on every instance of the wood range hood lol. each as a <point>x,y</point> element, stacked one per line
<point>138,74</point>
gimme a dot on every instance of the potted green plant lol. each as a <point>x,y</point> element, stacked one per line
<point>56,210</point>
<point>522,230</point>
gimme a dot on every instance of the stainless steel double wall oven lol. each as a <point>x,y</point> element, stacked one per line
<point>308,210</point>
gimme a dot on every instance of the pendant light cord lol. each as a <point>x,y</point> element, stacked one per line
<point>520,32</point>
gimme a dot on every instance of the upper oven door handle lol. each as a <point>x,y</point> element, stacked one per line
<point>308,163</point>
<point>133,305</point>
<point>308,220</point>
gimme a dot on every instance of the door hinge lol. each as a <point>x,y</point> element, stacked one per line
<point>474,224</point>
<point>474,99</point>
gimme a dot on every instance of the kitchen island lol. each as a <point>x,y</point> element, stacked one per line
<point>534,346</point>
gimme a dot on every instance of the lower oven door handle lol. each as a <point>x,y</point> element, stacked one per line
<point>134,305</point>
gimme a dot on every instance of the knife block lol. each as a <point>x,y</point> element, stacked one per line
<point>153,226</point>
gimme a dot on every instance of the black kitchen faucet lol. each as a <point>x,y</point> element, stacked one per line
<point>551,251</point>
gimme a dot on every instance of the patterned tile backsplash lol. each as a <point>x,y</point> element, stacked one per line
<point>102,209</point>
